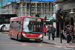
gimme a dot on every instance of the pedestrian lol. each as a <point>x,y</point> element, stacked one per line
<point>49,32</point>
<point>71,27</point>
<point>37,15</point>
<point>53,32</point>
<point>68,34</point>
<point>45,30</point>
<point>38,29</point>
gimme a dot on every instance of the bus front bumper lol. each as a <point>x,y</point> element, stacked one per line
<point>31,39</point>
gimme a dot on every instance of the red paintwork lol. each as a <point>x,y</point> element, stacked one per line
<point>45,29</point>
<point>32,35</point>
<point>27,34</point>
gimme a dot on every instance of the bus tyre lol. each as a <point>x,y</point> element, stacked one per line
<point>38,41</point>
<point>18,38</point>
<point>41,40</point>
<point>10,36</point>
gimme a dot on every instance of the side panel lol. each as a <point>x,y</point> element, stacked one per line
<point>16,27</point>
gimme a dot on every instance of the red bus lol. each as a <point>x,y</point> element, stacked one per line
<point>27,28</point>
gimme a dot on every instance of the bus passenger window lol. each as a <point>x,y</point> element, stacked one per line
<point>20,22</point>
<point>19,25</point>
<point>11,25</point>
<point>17,21</point>
<point>12,21</point>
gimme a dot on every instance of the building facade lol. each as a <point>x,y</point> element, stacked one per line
<point>0,7</point>
<point>22,8</point>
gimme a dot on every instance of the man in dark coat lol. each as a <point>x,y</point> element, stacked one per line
<point>37,15</point>
<point>49,32</point>
<point>53,32</point>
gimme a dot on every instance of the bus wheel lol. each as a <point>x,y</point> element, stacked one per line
<point>18,38</point>
<point>42,39</point>
<point>10,36</point>
<point>38,41</point>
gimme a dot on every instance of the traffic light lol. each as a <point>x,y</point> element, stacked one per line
<point>60,16</point>
<point>64,15</point>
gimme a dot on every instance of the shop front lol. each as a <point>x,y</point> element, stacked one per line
<point>69,8</point>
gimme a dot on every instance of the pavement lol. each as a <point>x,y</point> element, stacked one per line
<point>58,44</point>
<point>55,42</point>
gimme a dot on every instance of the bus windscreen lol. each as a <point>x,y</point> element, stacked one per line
<point>33,25</point>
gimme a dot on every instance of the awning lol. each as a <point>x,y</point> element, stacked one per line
<point>50,21</point>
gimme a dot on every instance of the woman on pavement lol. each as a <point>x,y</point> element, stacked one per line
<point>45,30</point>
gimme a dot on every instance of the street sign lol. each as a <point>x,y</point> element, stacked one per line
<point>50,18</point>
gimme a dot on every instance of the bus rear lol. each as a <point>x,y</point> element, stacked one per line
<point>33,29</point>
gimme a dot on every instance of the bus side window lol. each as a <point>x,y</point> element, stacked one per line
<point>15,25</point>
<point>11,25</point>
<point>20,23</point>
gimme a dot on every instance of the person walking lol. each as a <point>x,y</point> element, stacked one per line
<point>53,32</point>
<point>37,15</point>
<point>49,32</point>
<point>45,30</point>
<point>68,34</point>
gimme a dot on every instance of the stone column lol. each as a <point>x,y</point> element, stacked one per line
<point>21,9</point>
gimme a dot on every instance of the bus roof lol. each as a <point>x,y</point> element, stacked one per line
<point>13,18</point>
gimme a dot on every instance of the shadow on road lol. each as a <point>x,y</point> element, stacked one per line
<point>37,42</point>
<point>27,41</point>
<point>48,43</point>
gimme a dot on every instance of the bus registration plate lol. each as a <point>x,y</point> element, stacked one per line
<point>32,39</point>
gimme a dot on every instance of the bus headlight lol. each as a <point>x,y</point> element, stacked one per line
<point>40,36</point>
<point>24,35</point>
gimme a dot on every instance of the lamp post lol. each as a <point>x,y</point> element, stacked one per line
<point>71,11</point>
